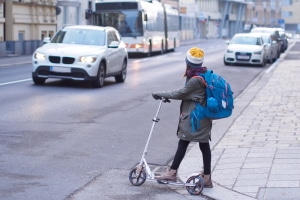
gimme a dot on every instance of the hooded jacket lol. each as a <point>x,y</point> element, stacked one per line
<point>192,92</point>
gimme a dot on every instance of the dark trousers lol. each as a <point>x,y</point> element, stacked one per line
<point>181,150</point>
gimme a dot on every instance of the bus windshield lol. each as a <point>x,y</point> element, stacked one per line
<point>127,22</point>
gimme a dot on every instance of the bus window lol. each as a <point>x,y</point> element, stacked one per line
<point>127,22</point>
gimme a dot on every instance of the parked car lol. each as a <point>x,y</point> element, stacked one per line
<point>284,38</point>
<point>245,48</point>
<point>274,34</point>
<point>271,48</point>
<point>83,53</point>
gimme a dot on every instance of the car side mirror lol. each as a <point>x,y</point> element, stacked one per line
<point>227,42</point>
<point>114,44</point>
<point>46,40</point>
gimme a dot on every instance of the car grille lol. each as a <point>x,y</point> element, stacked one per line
<point>242,56</point>
<point>68,60</point>
<point>54,59</point>
<point>75,73</point>
<point>58,59</point>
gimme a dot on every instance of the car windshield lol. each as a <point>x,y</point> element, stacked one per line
<point>266,39</point>
<point>80,36</point>
<point>262,31</point>
<point>249,40</point>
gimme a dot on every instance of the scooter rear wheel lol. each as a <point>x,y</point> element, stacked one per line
<point>198,185</point>
<point>136,178</point>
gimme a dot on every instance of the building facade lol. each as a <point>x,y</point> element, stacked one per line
<point>2,22</point>
<point>24,23</point>
<point>263,13</point>
<point>232,17</point>
<point>290,16</point>
<point>73,12</point>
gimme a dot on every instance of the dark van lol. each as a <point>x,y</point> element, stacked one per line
<point>285,42</point>
<point>274,35</point>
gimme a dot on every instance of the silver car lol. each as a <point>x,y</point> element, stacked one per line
<point>274,34</point>
<point>83,53</point>
<point>271,48</point>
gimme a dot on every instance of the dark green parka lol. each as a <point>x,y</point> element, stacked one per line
<point>192,92</point>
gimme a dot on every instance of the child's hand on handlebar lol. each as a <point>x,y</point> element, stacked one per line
<point>156,97</point>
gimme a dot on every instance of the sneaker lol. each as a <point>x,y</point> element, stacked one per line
<point>170,175</point>
<point>207,180</point>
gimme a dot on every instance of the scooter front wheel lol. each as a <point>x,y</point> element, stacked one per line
<point>137,177</point>
<point>198,183</point>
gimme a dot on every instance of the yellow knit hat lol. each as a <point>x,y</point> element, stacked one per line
<point>194,57</point>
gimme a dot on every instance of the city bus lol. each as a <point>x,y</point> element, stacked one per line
<point>145,26</point>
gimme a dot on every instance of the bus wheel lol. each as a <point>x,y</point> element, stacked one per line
<point>150,49</point>
<point>174,47</point>
<point>162,48</point>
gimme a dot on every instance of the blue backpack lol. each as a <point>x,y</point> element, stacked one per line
<point>219,100</point>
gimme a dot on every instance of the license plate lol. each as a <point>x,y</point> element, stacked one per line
<point>60,69</point>
<point>243,57</point>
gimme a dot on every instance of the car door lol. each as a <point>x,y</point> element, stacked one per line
<point>120,54</point>
<point>274,47</point>
<point>113,60</point>
<point>263,47</point>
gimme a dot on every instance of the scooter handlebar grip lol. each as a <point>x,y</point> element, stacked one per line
<point>165,100</point>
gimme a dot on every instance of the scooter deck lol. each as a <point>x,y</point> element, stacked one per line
<point>172,183</point>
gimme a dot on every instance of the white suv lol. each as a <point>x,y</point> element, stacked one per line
<point>81,52</point>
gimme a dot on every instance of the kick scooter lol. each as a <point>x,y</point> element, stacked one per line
<point>138,175</point>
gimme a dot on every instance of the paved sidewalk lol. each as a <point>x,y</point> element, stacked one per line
<point>259,155</point>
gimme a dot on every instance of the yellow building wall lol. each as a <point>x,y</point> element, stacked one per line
<point>32,18</point>
<point>294,10</point>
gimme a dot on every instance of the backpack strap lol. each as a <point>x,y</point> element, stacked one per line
<point>208,76</point>
<point>202,79</point>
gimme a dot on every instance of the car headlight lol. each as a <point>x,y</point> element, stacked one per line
<point>257,52</point>
<point>87,59</point>
<point>229,51</point>
<point>39,56</point>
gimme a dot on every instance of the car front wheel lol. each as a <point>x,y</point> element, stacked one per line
<point>99,82</point>
<point>263,63</point>
<point>121,77</point>
<point>38,81</point>
<point>225,63</point>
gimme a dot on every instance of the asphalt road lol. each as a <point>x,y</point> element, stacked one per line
<point>59,139</point>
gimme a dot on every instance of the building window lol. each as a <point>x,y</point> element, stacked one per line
<point>44,34</point>
<point>21,35</point>
<point>286,2</point>
<point>51,33</point>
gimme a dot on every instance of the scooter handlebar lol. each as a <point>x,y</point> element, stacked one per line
<point>165,100</point>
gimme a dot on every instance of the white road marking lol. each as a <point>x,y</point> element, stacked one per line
<point>10,64</point>
<point>12,82</point>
